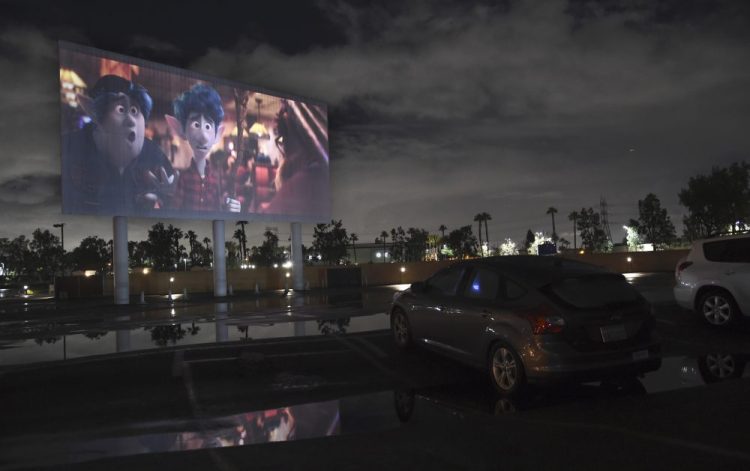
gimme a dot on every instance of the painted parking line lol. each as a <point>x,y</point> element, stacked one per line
<point>377,351</point>
<point>664,321</point>
<point>198,414</point>
<point>274,355</point>
<point>371,358</point>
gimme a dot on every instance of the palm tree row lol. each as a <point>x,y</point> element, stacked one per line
<point>482,218</point>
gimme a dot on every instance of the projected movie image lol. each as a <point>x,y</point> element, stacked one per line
<point>141,139</point>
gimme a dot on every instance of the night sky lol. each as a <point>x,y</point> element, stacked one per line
<point>438,110</point>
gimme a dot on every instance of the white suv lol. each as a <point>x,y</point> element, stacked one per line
<point>714,279</point>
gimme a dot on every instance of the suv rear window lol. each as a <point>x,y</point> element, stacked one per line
<point>593,291</point>
<point>728,251</point>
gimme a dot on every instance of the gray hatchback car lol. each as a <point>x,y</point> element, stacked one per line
<point>530,319</point>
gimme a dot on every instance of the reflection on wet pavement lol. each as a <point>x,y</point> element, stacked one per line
<point>377,411</point>
<point>44,340</point>
<point>147,337</point>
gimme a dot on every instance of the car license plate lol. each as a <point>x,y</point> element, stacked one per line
<point>640,355</point>
<point>613,333</point>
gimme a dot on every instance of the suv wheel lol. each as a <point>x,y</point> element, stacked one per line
<point>717,307</point>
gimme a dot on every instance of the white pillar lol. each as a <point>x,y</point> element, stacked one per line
<point>222,329</point>
<point>299,326</point>
<point>120,259</point>
<point>298,273</point>
<point>220,261</point>
<point>122,339</point>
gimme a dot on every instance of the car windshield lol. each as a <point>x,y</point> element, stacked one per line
<point>593,291</point>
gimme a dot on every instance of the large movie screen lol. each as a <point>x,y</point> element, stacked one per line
<point>142,139</point>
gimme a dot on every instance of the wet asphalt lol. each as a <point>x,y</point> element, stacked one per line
<point>313,381</point>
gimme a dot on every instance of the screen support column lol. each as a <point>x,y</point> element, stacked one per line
<point>220,261</point>
<point>297,265</point>
<point>120,259</point>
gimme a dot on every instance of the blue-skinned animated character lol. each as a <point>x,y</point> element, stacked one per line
<point>198,115</point>
<point>109,167</point>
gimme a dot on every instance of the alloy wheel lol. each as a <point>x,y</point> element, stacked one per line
<point>721,366</point>
<point>717,310</point>
<point>400,329</point>
<point>504,369</point>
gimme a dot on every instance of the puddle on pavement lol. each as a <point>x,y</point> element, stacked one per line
<point>52,347</point>
<point>438,406</point>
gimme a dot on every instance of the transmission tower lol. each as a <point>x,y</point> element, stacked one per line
<point>603,216</point>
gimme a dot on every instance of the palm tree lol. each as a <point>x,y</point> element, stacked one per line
<point>243,241</point>
<point>574,217</point>
<point>354,240</point>
<point>434,241</point>
<point>383,238</point>
<point>442,229</point>
<point>486,217</point>
<point>479,218</point>
<point>551,211</point>
<point>240,236</point>
<point>192,238</point>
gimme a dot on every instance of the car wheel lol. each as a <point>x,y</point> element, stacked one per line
<point>404,403</point>
<point>506,369</point>
<point>716,367</point>
<point>401,329</point>
<point>717,308</point>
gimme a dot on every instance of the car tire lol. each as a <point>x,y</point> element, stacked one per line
<point>716,307</point>
<point>401,329</point>
<point>505,369</point>
<point>404,402</point>
<point>716,367</point>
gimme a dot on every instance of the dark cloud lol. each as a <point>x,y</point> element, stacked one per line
<point>442,110</point>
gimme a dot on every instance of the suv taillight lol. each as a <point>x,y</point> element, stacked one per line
<point>682,266</point>
<point>545,321</point>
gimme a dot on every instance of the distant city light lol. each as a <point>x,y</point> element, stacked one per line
<point>630,259</point>
<point>287,264</point>
<point>171,279</point>
<point>403,269</point>
<point>146,271</point>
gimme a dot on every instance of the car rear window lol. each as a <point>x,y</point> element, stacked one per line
<point>728,251</point>
<point>593,291</point>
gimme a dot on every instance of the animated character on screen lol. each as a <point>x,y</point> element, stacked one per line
<point>198,115</point>
<point>109,165</point>
<point>302,179</point>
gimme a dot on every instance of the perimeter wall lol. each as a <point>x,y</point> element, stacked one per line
<point>370,274</point>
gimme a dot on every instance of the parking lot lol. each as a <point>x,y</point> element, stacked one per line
<point>323,374</point>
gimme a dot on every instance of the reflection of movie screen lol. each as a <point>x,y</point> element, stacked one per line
<point>297,422</point>
<point>142,139</point>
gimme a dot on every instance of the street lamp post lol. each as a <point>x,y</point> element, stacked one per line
<point>62,234</point>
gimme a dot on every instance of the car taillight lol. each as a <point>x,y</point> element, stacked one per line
<point>545,321</point>
<point>682,266</point>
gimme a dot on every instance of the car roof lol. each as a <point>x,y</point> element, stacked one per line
<point>537,270</point>
<point>742,235</point>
